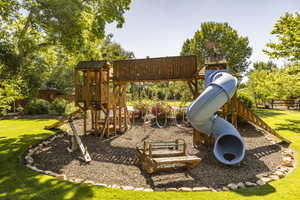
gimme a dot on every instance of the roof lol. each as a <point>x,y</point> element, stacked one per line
<point>91,64</point>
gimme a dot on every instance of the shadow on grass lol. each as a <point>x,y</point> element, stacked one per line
<point>290,125</point>
<point>256,191</point>
<point>19,182</point>
<point>268,113</point>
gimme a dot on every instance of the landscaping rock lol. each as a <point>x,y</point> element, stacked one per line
<point>171,189</point>
<point>198,189</point>
<point>260,182</point>
<point>139,189</point>
<point>225,188</point>
<point>185,189</point>
<point>288,153</point>
<point>116,186</point>
<point>159,189</point>
<point>148,190</point>
<point>127,188</point>
<point>78,180</point>
<point>287,162</point>
<point>232,186</point>
<point>89,182</point>
<point>101,184</point>
<point>284,169</point>
<point>29,160</point>
<point>265,179</point>
<point>50,173</point>
<point>34,168</point>
<point>279,174</point>
<point>274,177</point>
<point>30,153</point>
<point>241,185</point>
<point>250,184</point>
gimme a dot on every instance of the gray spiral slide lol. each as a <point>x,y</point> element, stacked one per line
<point>229,147</point>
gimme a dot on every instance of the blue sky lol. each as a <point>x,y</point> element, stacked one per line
<point>157,28</point>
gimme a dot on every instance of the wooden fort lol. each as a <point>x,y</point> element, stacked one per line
<point>100,87</point>
<point>95,91</point>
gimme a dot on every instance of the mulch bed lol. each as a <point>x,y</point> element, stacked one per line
<point>114,160</point>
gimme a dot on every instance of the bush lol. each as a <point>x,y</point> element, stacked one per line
<point>246,100</point>
<point>70,107</point>
<point>37,106</point>
<point>58,107</point>
<point>20,109</point>
<point>3,112</point>
<point>141,107</point>
<point>161,109</point>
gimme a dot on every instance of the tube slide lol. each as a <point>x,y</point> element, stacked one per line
<point>229,147</point>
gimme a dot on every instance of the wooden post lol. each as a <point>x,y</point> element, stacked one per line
<point>84,121</point>
<point>120,110</point>
<point>234,113</point>
<point>93,119</point>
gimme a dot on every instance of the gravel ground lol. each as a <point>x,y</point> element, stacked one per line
<point>114,160</point>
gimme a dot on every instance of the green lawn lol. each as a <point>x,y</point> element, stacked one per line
<point>18,182</point>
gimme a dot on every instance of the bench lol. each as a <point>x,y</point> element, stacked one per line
<point>158,155</point>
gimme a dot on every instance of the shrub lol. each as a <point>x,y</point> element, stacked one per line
<point>37,106</point>
<point>141,107</point>
<point>20,109</point>
<point>161,109</point>
<point>70,107</point>
<point>58,107</point>
<point>246,100</point>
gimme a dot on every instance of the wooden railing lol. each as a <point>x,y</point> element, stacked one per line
<point>247,114</point>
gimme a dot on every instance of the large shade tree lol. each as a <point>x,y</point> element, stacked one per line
<point>34,33</point>
<point>287,32</point>
<point>228,42</point>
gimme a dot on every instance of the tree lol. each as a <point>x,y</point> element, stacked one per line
<point>287,32</point>
<point>267,84</point>
<point>228,43</point>
<point>262,66</point>
<point>34,32</point>
<point>61,76</point>
<point>9,92</point>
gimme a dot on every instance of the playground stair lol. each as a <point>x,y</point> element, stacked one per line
<point>251,117</point>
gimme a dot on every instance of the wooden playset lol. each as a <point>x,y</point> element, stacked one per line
<point>100,87</point>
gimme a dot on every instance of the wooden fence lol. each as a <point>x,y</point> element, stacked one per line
<point>290,104</point>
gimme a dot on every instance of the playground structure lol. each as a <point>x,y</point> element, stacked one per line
<point>101,88</point>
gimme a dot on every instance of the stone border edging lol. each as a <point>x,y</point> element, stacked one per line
<point>287,166</point>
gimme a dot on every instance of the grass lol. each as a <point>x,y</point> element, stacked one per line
<point>18,182</point>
